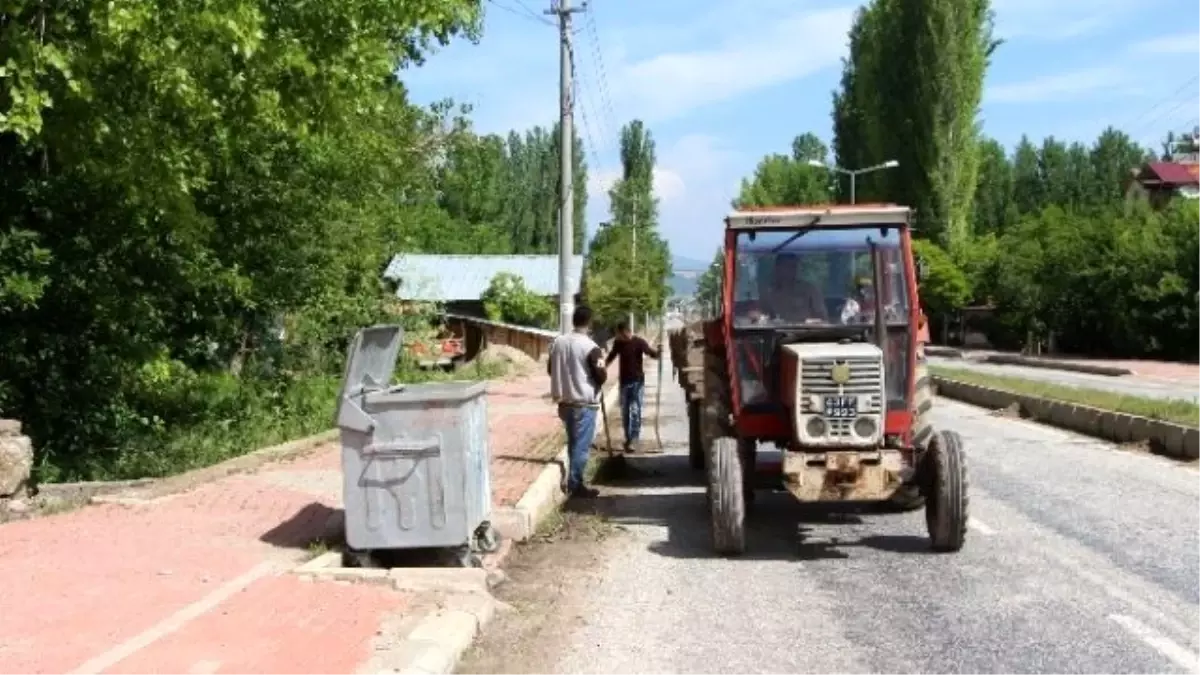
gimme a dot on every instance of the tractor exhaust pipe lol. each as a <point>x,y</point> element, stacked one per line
<point>881,336</point>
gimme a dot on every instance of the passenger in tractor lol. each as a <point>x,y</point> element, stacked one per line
<point>858,307</point>
<point>790,299</point>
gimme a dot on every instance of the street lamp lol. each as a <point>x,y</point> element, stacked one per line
<point>853,173</point>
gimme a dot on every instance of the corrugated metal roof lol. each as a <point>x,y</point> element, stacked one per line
<point>1173,173</point>
<point>443,278</point>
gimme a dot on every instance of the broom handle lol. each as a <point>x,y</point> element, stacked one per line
<point>662,327</point>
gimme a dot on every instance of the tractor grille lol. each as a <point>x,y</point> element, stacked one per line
<point>865,376</point>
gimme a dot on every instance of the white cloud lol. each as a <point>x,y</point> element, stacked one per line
<point>1183,43</point>
<point>669,85</point>
<point>696,177</point>
<point>668,185</point>
<point>1058,19</point>
<point>1060,86</point>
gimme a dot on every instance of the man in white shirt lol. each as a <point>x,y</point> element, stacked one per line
<point>576,367</point>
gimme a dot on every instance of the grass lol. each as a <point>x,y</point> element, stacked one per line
<point>1167,410</point>
<point>252,417</point>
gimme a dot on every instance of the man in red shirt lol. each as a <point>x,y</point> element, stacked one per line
<point>632,379</point>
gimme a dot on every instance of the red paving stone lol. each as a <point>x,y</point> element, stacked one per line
<point>276,625</point>
<point>77,584</point>
<point>525,433</point>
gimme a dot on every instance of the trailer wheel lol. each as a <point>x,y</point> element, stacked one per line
<point>695,441</point>
<point>726,497</point>
<point>946,504</point>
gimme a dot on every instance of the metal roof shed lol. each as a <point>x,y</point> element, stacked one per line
<point>450,278</point>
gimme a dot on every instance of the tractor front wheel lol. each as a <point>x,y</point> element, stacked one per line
<point>726,496</point>
<point>946,501</point>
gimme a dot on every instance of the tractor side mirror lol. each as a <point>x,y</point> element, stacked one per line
<point>920,269</point>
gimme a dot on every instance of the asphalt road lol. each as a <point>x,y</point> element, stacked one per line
<point>1133,385</point>
<point>1080,558</point>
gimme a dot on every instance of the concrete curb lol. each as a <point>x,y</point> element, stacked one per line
<point>162,487</point>
<point>944,352</point>
<point>1051,364</point>
<point>1165,438</point>
<point>518,523</point>
<point>439,640</point>
<point>328,567</point>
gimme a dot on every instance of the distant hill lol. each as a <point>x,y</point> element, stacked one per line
<point>687,271</point>
<point>683,286</point>
<point>680,264</point>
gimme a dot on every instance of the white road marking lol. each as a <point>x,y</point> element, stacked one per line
<point>980,527</point>
<point>176,621</point>
<point>1163,645</point>
<point>204,667</point>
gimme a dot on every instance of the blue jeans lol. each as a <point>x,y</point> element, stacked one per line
<point>632,397</point>
<point>580,426</point>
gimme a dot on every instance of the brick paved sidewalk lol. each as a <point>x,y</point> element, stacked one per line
<point>197,582</point>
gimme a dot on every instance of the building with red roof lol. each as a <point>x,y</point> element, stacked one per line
<point>1160,181</point>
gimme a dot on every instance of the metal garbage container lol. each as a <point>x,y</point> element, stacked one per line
<point>415,460</point>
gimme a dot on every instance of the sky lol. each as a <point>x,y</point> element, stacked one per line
<point>721,83</point>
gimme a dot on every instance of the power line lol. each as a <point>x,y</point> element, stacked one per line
<point>523,11</point>
<point>1147,118</point>
<point>588,140</point>
<point>598,54</point>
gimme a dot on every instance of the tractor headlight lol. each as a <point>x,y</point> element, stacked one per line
<point>816,427</point>
<point>864,426</point>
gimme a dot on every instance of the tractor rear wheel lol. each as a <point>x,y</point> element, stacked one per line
<point>716,409</point>
<point>909,497</point>
<point>726,496</point>
<point>946,500</point>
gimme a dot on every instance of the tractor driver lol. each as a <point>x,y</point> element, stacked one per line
<point>792,299</point>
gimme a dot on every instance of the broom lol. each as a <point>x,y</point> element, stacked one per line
<point>662,328</point>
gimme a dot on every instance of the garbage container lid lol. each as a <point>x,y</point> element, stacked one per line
<point>371,359</point>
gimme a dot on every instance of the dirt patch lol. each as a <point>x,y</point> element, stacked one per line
<point>1013,411</point>
<point>517,363</point>
<point>547,580</point>
<point>24,508</point>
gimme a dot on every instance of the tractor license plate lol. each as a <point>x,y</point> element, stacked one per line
<point>841,407</point>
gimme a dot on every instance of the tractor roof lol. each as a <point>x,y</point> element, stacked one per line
<point>832,239</point>
<point>824,215</point>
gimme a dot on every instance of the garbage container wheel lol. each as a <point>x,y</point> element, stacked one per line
<point>466,557</point>
<point>362,559</point>
<point>487,538</point>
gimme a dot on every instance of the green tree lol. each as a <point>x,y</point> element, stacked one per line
<point>710,283</point>
<point>781,180</point>
<point>944,287</point>
<point>199,201</point>
<point>915,81</point>
<point>628,261</point>
<point>993,189</point>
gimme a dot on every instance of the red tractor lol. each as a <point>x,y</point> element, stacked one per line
<point>819,350</point>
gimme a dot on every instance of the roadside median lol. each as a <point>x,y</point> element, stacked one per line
<point>1168,427</point>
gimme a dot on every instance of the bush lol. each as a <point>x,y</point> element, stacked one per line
<point>509,300</point>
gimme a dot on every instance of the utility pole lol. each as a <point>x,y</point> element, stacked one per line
<point>566,144</point>
<point>633,250</point>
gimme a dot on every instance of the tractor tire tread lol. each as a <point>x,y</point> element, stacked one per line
<point>947,508</point>
<point>726,492</point>
<point>910,497</point>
